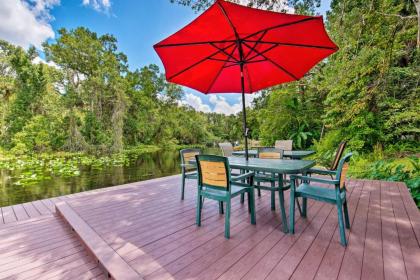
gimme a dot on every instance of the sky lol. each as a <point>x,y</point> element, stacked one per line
<point>137,25</point>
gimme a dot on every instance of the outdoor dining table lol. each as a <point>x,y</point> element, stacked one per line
<point>279,166</point>
<point>289,154</point>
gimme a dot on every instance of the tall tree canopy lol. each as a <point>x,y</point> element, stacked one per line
<point>367,92</point>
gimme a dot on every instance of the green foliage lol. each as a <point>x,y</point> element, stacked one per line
<point>301,6</point>
<point>290,113</point>
<point>32,169</point>
<point>95,107</point>
<point>402,170</point>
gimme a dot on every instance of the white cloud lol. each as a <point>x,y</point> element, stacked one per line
<point>196,102</point>
<point>38,60</point>
<point>26,23</point>
<point>221,106</point>
<point>98,5</point>
<point>219,103</point>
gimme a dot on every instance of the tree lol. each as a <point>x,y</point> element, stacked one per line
<point>94,87</point>
<point>300,6</point>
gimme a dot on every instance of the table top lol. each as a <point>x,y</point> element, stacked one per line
<point>283,166</point>
<point>290,154</point>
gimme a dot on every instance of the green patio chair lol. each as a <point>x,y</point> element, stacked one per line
<point>272,178</point>
<point>331,171</point>
<point>336,196</point>
<point>285,145</point>
<point>226,148</point>
<point>189,171</point>
<point>216,182</point>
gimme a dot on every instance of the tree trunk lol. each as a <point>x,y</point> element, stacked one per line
<point>75,141</point>
<point>118,122</point>
<point>417,4</point>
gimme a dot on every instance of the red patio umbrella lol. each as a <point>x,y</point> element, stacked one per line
<point>231,48</point>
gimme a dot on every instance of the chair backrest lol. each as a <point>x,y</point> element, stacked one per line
<point>342,169</point>
<point>285,145</point>
<point>254,143</point>
<point>270,153</point>
<point>227,149</point>
<point>187,155</point>
<point>338,155</point>
<point>213,172</point>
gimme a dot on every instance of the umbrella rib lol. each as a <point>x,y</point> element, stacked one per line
<point>276,64</point>
<point>248,62</point>
<point>260,53</point>
<point>228,19</point>
<point>220,71</point>
<point>293,45</point>
<point>255,44</point>
<point>193,43</point>
<point>225,52</point>
<point>198,62</point>
<point>222,60</point>
<point>279,26</point>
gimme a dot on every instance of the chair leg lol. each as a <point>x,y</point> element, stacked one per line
<point>341,224</point>
<point>227,220</point>
<point>273,196</point>
<point>259,189</point>
<point>304,206</point>
<point>242,198</point>
<point>183,186</point>
<point>346,215</point>
<point>251,198</point>
<point>298,206</point>
<point>283,212</point>
<point>220,207</point>
<point>292,212</point>
<point>199,207</point>
<point>249,201</point>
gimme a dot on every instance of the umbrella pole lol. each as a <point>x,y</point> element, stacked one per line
<point>244,111</point>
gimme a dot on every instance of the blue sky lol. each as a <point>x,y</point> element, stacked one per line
<point>137,25</point>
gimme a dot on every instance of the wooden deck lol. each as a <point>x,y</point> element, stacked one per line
<point>149,230</point>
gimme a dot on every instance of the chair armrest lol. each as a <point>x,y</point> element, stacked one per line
<point>314,179</point>
<point>321,171</point>
<point>188,165</point>
<point>242,176</point>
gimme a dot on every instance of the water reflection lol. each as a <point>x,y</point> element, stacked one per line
<point>144,167</point>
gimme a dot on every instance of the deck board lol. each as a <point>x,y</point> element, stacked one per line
<point>154,232</point>
<point>394,267</point>
<point>42,249</point>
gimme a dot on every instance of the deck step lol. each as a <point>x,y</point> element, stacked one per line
<point>110,261</point>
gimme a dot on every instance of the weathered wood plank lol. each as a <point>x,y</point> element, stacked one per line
<point>310,263</point>
<point>411,209</point>
<point>20,212</point>
<point>373,264</point>
<point>408,241</point>
<point>31,210</point>
<point>8,214</point>
<point>164,242</point>
<point>394,267</point>
<point>111,261</point>
<point>41,207</point>
<point>351,266</point>
<point>332,259</point>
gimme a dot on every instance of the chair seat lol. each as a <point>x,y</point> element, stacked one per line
<point>235,190</point>
<point>318,193</point>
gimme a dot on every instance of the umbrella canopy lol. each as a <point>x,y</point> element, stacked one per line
<point>231,48</point>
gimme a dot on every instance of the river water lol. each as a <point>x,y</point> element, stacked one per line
<point>144,167</point>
